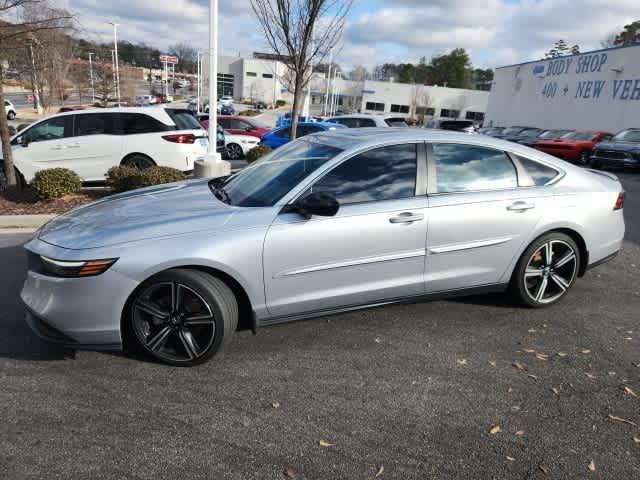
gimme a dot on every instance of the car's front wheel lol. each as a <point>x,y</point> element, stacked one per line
<point>183,317</point>
<point>546,270</point>
<point>11,115</point>
<point>234,151</point>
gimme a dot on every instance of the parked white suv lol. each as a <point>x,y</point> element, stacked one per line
<point>89,142</point>
<point>9,110</point>
<point>361,121</point>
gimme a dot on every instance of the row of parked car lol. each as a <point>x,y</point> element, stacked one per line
<point>593,148</point>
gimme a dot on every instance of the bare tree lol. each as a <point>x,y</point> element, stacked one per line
<point>609,41</point>
<point>12,37</point>
<point>301,33</point>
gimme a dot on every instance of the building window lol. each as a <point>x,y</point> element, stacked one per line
<point>447,113</point>
<point>399,108</point>
<point>425,111</point>
<point>225,84</point>
<point>252,74</point>
<point>477,116</point>
<point>377,107</point>
<point>267,75</point>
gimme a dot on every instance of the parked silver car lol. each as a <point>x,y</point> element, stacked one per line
<point>330,222</point>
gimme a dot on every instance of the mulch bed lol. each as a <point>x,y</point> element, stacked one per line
<point>26,202</point>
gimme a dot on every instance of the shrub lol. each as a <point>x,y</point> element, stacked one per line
<point>12,130</point>
<point>256,152</point>
<point>122,179</point>
<point>55,183</point>
<point>21,127</point>
<point>249,113</point>
<point>280,103</point>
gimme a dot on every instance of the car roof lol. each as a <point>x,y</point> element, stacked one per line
<point>157,112</point>
<point>366,115</point>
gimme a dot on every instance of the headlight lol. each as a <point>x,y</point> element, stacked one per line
<point>72,269</point>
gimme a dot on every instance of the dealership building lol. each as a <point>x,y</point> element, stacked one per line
<point>263,77</point>
<point>592,90</point>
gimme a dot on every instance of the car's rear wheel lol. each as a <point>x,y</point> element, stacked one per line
<point>183,317</point>
<point>234,151</point>
<point>139,162</point>
<point>547,270</point>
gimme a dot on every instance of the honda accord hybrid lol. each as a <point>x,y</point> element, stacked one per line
<point>331,222</point>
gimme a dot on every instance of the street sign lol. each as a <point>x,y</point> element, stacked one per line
<point>171,60</point>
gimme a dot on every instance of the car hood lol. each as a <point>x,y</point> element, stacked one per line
<point>620,146</point>
<point>152,212</point>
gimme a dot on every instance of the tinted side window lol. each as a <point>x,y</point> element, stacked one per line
<point>133,123</point>
<point>366,122</point>
<point>93,124</point>
<point>462,168</point>
<point>385,173</point>
<point>53,129</point>
<point>539,173</point>
<point>223,122</point>
<point>283,132</point>
<point>302,131</point>
<point>183,119</point>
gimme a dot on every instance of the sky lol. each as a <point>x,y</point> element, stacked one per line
<point>494,32</point>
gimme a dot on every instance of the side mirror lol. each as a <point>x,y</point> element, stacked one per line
<point>323,204</point>
<point>22,140</point>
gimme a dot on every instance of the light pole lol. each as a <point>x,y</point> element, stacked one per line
<point>212,165</point>
<point>117,72</point>
<point>198,86</point>
<point>93,92</point>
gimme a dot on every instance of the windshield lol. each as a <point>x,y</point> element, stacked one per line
<point>530,133</point>
<point>579,136</point>
<point>628,136</point>
<point>272,177</point>
<point>512,130</point>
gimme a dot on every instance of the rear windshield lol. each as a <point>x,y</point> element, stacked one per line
<point>512,130</point>
<point>455,125</point>
<point>628,136</point>
<point>183,119</point>
<point>396,122</point>
<point>579,136</point>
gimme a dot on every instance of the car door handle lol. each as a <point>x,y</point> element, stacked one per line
<point>520,206</point>
<point>407,217</point>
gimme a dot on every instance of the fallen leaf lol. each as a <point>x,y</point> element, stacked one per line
<point>620,419</point>
<point>628,391</point>
<point>611,374</point>
<point>637,365</point>
<point>519,366</point>
<point>379,472</point>
<point>461,361</point>
<point>492,363</point>
<point>325,444</point>
<point>511,459</point>
<point>592,466</point>
<point>562,354</point>
<point>628,338</point>
<point>636,439</point>
<point>290,472</point>
<point>378,340</point>
<point>495,429</point>
<point>555,391</point>
<point>543,469</point>
<point>509,390</point>
<point>519,433</point>
<point>275,404</point>
<point>535,377</point>
<point>529,350</point>
<point>542,356</point>
<point>589,375</point>
<point>532,330</point>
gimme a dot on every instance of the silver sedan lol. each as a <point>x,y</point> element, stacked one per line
<point>331,222</point>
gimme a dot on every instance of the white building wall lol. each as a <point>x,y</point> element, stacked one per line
<point>412,96</point>
<point>593,90</point>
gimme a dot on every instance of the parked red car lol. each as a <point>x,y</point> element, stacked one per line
<point>575,146</point>
<point>242,125</point>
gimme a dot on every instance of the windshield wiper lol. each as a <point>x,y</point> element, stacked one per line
<point>216,186</point>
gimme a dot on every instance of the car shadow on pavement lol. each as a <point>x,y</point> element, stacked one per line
<point>17,341</point>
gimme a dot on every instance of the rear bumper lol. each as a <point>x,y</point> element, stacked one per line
<point>606,259</point>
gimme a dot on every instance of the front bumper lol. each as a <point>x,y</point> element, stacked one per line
<point>77,311</point>
<point>626,162</point>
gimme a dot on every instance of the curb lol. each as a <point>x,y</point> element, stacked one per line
<point>24,221</point>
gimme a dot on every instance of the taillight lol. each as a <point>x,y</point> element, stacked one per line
<point>619,202</point>
<point>180,138</point>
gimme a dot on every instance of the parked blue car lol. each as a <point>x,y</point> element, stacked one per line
<point>623,150</point>
<point>227,110</point>
<point>279,136</point>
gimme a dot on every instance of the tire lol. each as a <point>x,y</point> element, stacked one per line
<point>187,332</point>
<point>534,272</point>
<point>584,158</point>
<point>139,162</point>
<point>11,115</point>
<point>234,151</point>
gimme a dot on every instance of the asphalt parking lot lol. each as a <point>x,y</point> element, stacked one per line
<point>468,388</point>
